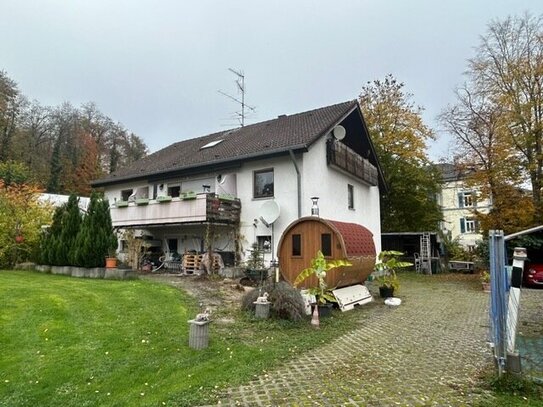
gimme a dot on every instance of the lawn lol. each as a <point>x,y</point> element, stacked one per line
<point>81,342</point>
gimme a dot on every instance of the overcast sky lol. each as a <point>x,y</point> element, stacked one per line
<point>156,66</point>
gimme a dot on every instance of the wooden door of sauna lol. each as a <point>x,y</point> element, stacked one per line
<point>300,246</point>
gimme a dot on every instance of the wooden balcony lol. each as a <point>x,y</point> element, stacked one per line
<point>346,159</point>
<point>192,209</point>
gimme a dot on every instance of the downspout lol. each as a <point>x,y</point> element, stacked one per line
<point>298,182</point>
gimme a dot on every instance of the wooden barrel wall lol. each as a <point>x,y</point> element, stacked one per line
<point>348,241</point>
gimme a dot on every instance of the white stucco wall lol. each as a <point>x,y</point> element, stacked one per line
<point>285,194</point>
<point>330,185</point>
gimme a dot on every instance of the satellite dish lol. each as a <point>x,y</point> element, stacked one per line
<point>269,212</point>
<point>221,179</point>
<point>339,132</point>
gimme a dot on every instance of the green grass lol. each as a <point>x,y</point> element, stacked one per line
<point>512,391</point>
<point>81,342</point>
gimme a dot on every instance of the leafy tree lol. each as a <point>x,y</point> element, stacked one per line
<point>12,172</point>
<point>508,69</point>
<point>497,122</point>
<point>400,136</point>
<point>21,219</point>
<point>65,147</point>
<point>10,102</point>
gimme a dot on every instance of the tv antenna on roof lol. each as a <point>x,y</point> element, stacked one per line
<point>240,82</point>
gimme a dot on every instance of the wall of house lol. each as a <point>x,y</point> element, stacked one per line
<point>330,185</point>
<point>453,213</point>
<point>285,195</point>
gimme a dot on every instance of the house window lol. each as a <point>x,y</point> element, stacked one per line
<point>264,243</point>
<point>466,199</point>
<point>469,225</point>
<point>174,191</point>
<point>350,196</point>
<point>263,184</point>
<point>125,194</point>
<point>296,245</point>
<point>326,244</point>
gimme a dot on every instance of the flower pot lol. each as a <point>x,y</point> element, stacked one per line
<point>325,310</point>
<point>386,292</point>
<point>111,262</point>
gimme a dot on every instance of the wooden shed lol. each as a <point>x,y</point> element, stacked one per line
<point>303,238</point>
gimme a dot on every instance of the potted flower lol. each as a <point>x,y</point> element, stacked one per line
<point>255,269</point>
<point>323,294</point>
<point>485,280</point>
<point>386,268</point>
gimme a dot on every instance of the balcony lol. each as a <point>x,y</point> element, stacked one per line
<point>194,209</point>
<point>346,159</point>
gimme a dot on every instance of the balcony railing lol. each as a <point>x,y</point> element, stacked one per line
<point>191,209</point>
<point>343,157</point>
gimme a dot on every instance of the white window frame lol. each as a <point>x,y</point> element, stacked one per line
<point>471,225</point>
<point>467,198</point>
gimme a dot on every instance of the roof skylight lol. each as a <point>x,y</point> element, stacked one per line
<point>211,144</point>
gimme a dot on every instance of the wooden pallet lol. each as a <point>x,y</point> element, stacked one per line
<point>191,263</point>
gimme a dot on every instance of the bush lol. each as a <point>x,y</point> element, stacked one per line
<point>286,301</point>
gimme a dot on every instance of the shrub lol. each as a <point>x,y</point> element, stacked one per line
<point>286,301</point>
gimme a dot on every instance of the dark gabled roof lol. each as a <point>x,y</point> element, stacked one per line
<point>287,132</point>
<point>450,172</point>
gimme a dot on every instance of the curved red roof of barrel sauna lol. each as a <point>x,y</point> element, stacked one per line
<point>304,237</point>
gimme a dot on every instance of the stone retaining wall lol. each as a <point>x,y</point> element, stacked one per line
<point>83,272</point>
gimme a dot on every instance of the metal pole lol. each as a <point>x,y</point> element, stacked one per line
<point>498,309</point>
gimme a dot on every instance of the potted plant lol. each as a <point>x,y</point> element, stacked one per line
<point>485,280</point>
<point>323,294</point>
<point>255,269</point>
<point>386,268</point>
<point>111,259</point>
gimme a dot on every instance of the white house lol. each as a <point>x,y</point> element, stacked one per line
<point>458,203</point>
<point>251,183</point>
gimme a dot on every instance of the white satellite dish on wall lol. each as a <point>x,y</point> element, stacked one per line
<point>269,212</point>
<point>339,132</point>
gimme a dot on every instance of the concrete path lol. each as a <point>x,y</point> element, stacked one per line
<point>427,352</point>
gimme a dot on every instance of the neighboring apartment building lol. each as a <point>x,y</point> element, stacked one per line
<point>260,177</point>
<point>458,203</point>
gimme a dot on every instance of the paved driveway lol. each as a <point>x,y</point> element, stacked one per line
<point>426,352</point>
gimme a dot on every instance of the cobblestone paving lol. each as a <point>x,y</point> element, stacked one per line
<point>426,352</point>
<point>530,332</point>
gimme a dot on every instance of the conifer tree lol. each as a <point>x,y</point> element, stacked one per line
<point>71,223</point>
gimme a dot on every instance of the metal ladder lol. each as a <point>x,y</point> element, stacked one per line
<point>425,253</point>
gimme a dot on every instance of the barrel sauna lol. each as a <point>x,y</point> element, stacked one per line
<point>303,238</point>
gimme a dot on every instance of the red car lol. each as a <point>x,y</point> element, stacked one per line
<point>533,275</point>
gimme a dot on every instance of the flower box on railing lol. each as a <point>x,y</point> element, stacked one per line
<point>188,195</point>
<point>142,201</point>
<point>163,198</point>
<point>121,204</point>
